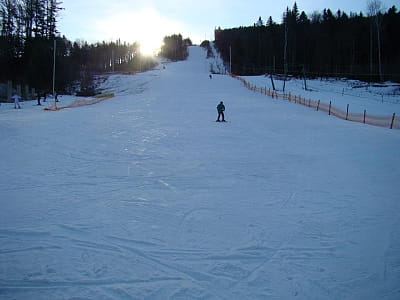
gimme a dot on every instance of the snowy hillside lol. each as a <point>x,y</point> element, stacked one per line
<point>216,63</point>
<point>145,196</point>
<point>377,100</point>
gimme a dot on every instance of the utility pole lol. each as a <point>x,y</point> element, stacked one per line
<point>54,71</point>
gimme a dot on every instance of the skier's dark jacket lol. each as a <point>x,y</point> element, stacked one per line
<point>220,107</point>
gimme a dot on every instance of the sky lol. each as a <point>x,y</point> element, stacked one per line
<point>149,21</point>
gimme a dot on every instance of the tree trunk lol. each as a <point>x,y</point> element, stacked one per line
<point>379,48</point>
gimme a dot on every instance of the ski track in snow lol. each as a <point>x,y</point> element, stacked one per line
<point>144,196</point>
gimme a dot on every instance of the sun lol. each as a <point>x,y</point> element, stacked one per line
<point>147,27</point>
<point>149,46</point>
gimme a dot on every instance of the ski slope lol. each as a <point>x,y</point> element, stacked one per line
<point>144,196</point>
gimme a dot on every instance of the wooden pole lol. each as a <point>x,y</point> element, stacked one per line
<point>347,112</point>
<point>365,113</point>
<point>304,76</point>
<point>272,82</point>
<point>393,117</point>
<point>54,72</point>
<point>330,105</point>
<point>318,104</point>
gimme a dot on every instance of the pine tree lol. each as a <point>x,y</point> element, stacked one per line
<point>51,18</point>
<point>259,23</point>
<point>295,13</point>
<point>270,22</point>
<point>8,16</point>
<point>28,16</point>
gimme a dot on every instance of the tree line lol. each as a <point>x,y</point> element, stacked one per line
<point>322,44</point>
<point>29,39</point>
<point>175,47</point>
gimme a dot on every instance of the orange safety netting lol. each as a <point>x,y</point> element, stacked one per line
<point>81,102</point>
<point>392,121</point>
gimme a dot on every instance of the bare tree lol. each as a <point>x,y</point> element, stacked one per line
<point>374,8</point>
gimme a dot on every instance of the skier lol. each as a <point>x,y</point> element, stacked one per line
<point>16,101</point>
<point>221,109</point>
<point>38,99</point>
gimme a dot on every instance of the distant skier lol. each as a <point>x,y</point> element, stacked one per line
<point>38,99</point>
<point>221,109</point>
<point>16,101</point>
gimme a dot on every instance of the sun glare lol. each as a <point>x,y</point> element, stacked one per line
<point>147,28</point>
<point>149,46</point>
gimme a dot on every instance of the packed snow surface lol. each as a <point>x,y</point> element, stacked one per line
<point>145,196</point>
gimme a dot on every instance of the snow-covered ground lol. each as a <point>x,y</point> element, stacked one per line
<point>144,196</point>
<point>376,99</point>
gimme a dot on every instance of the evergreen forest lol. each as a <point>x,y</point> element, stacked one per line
<point>29,42</point>
<point>364,47</point>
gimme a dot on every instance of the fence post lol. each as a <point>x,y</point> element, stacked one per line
<point>330,105</point>
<point>347,112</point>
<point>318,104</point>
<point>393,117</point>
<point>365,113</point>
